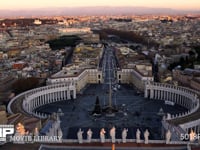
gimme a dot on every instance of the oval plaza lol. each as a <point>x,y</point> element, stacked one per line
<point>128,97</point>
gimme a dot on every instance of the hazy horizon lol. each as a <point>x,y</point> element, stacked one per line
<point>96,10</point>
<point>75,7</point>
<point>35,4</point>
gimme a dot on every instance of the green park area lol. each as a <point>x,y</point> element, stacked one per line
<point>188,62</point>
<point>63,42</point>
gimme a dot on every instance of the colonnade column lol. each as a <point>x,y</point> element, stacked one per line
<point>159,94</point>
<point>64,94</point>
<point>68,94</point>
<point>151,94</point>
<point>74,93</point>
<point>146,93</point>
<point>156,94</point>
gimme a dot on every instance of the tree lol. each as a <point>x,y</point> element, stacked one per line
<point>182,61</point>
<point>97,108</point>
<point>191,53</point>
<point>25,84</point>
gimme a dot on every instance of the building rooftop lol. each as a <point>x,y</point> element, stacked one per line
<point>71,71</point>
<point>84,57</point>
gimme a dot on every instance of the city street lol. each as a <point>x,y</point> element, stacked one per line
<point>109,66</point>
<point>109,76</point>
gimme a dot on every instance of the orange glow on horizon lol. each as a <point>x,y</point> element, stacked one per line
<point>28,4</point>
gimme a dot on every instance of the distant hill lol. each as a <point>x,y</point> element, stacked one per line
<point>93,11</point>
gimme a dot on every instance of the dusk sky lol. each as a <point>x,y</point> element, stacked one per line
<point>24,4</point>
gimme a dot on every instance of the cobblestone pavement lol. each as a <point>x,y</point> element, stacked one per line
<point>134,112</point>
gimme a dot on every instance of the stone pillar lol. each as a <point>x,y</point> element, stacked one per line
<point>164,95</point>
<point>42,100</point>
<point>65,95</point>
<point>61,98</point>
<point>186,102</point>
<point>37,101</point>
<point>180,99</point>
<point>33,103</point>
<point>68,94</point>
<point>45,98</point>
<point>159,95</point>
<point>57,94</point>
<point>74,93</point>
<point>167,95</point>
<point>151,94</point>
<point>146,93</point>
<point>156,94</point>
<point>175,97</point>
<point>49,98</point>
<point>27,106</point>
<point>171,96</point>
<point>54,96</point>
<point>60,95</point>
<point>30,106</point>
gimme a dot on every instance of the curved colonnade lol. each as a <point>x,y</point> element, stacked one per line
<point>38,97</point>
<point>183,96</point>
